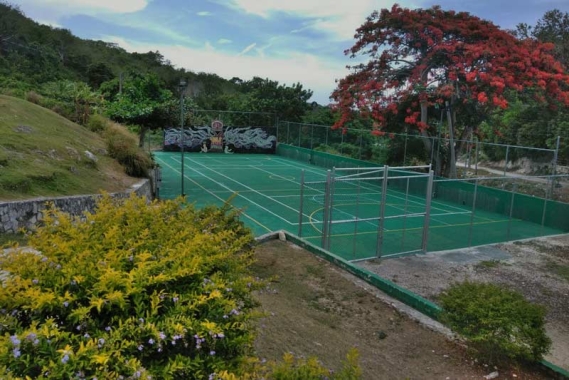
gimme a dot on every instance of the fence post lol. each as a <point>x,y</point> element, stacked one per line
<point>301,206</point>
<point>331,207</point>
<point>554,171</point>
<point>382,212</point>
<point>506,163</point>
<point>545,209</point>
<point>311,137</point>
<point>325,210</point>
<point>476,157</point>
<point>473,212</point>
<point>428,199</point>
<point>405,216</point>
<point>355,240</point>
<point>405,151</point>
<point>514,188</point>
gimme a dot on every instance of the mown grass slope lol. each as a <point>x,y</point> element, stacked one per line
<point>43,154</point>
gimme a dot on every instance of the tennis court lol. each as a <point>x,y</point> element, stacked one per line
<point>268,189</point>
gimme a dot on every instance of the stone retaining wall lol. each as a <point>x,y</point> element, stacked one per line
<point>25,214</point>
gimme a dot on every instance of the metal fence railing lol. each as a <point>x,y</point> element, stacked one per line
<point>361,213</point>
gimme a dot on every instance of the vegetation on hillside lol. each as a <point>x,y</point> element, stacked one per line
<point>43,154</point>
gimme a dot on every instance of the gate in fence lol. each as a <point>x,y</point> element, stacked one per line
<point>364,213</point>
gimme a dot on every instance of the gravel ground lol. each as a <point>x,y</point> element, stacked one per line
<point>537,268</point>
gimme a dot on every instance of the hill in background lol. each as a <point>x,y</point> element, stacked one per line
<point>43,154</point>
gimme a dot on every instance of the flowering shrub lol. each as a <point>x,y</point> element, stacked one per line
<point>133,291</point>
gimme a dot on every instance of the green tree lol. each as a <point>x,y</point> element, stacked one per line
<point>144,102</point>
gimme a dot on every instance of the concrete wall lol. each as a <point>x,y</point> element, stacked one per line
<point>25,214</point>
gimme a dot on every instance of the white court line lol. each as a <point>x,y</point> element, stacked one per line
<point>253,190</point>
<point>221,199</point>
<point>234,191</point>
<point>311,188</point>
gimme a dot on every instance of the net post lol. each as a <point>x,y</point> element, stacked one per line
<point>473,212</point>
<point>427,220</point>
<point>331,207</point>
<point>514,188</point>
<point>325,210</point>
<point>301,206</point>
<point>382,212</point>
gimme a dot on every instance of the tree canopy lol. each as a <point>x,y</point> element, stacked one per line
<point>427,58</point>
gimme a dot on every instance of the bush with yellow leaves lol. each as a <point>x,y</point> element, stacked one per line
<point>132,291</point>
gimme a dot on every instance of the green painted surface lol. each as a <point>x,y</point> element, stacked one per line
<point>268,191</point>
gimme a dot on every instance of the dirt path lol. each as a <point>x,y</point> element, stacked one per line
<point>315,309</point>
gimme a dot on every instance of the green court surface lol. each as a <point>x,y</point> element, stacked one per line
<point>268,192</point>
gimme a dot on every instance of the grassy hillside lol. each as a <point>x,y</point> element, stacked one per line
<point>43,154</point>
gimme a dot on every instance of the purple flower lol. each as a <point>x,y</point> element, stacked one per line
<point>66,304</point>
<point>137,374</point>
<point>65,359</point>
<point>36,342</point>
<point>141,320</point>
<point>220,335</point>
<point>175,299</point>
<point>35,281</point>
<point>78,327</point>
<point>16,352</point>
<point>176,337</point>
<point>31,336</point>
<point>140,347</point>
<point>211,376</point>
<point>151,341</point>
<point>58,267</point>
<point>43,259</point>
<point>15,340</point>
<point>108,328</point>
<point>159,349</point>
<point>86,336</point>
<point>225,317</point>
<point>162,335</point>
<point>212,353</point>
<point>234,312</point>
<point>101,342</point>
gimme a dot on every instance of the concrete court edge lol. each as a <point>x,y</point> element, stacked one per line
<point>409,298</point>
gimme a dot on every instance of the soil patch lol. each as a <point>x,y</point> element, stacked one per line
<point>315,309</point>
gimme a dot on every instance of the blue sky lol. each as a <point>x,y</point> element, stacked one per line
<point>286,40</point>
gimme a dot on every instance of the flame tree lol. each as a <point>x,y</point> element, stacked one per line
<point>422,59</point>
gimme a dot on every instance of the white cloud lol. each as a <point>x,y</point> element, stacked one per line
<point>224,41</point>
<point>88,6</point>
<point>338,18</point>
<point>248,49</point>
<point>204,13</point>
<point>313,72</point>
